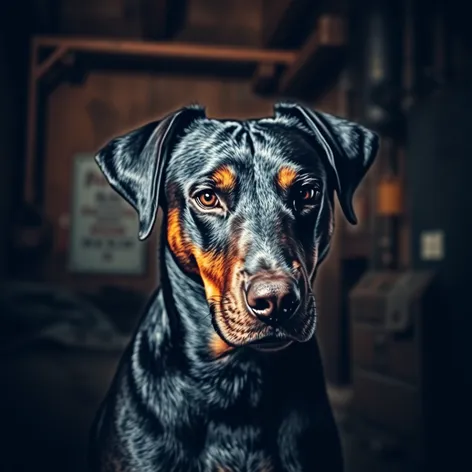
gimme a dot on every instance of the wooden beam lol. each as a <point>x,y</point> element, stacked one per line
<point>170,50</point>
<point>286,22</point>
<point>319,61</point>
<point>162,19</point>
<point>41,69</point>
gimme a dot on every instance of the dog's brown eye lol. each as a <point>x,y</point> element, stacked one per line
<point>207,199</point>
<point>309,194</point>
<point>306,195</point>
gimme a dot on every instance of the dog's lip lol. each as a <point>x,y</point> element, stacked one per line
<point>270,344</point>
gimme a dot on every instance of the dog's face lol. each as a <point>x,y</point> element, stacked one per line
<point>248,208</point>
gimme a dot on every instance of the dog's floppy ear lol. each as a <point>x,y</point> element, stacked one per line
<point>134,163</point>
<point>348,147</point>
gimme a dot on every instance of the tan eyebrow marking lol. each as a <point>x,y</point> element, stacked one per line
<point>286,177</point>
<point>224,178</point>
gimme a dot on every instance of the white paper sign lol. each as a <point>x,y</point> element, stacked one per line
<point>104,227</point>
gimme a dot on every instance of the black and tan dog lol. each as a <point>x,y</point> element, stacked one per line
<point>224,373</point>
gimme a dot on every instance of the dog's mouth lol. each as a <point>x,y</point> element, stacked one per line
<point>270,344</point>
<point>240,329</point>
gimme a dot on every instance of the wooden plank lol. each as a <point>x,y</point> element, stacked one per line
<point>318,62</point>
<point>57,54</point>
<point>161,19</point>
<point>104,18</point>
<point>287,21</point>
<point>229,22</point>
<point>170,50</point>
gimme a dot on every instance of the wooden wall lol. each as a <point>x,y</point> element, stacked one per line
<point>117,18</point>
<point>236,22</point>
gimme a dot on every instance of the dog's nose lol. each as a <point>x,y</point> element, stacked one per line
<point>272,299</point>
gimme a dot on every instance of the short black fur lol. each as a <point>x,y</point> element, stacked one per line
<point>201,386</point>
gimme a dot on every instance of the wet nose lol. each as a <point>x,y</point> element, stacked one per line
<point>272,299</point>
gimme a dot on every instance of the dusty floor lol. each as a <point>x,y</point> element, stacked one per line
<point>49,396</point>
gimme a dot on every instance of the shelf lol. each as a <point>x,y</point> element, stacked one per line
<point>319,62</point>
<point>135,51</point>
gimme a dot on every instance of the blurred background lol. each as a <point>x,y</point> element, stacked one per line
<point>393,294</point>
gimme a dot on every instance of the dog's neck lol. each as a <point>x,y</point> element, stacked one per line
<point>187,309</point>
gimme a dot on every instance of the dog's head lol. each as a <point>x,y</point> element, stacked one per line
<point>249,208</point>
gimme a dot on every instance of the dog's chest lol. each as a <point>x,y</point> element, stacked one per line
<point>251,442</point>
<point>218,447</point>
<point>241,448</point>
<point>252,448</point>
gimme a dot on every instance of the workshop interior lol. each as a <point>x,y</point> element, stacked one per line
<point>393,293</point>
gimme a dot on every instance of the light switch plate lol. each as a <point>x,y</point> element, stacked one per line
<point>432,245</point>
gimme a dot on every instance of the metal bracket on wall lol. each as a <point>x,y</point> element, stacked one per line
<point>43,67</point>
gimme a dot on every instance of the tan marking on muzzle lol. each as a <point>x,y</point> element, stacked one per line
<point>219,347</point>
<point>212,268</point>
